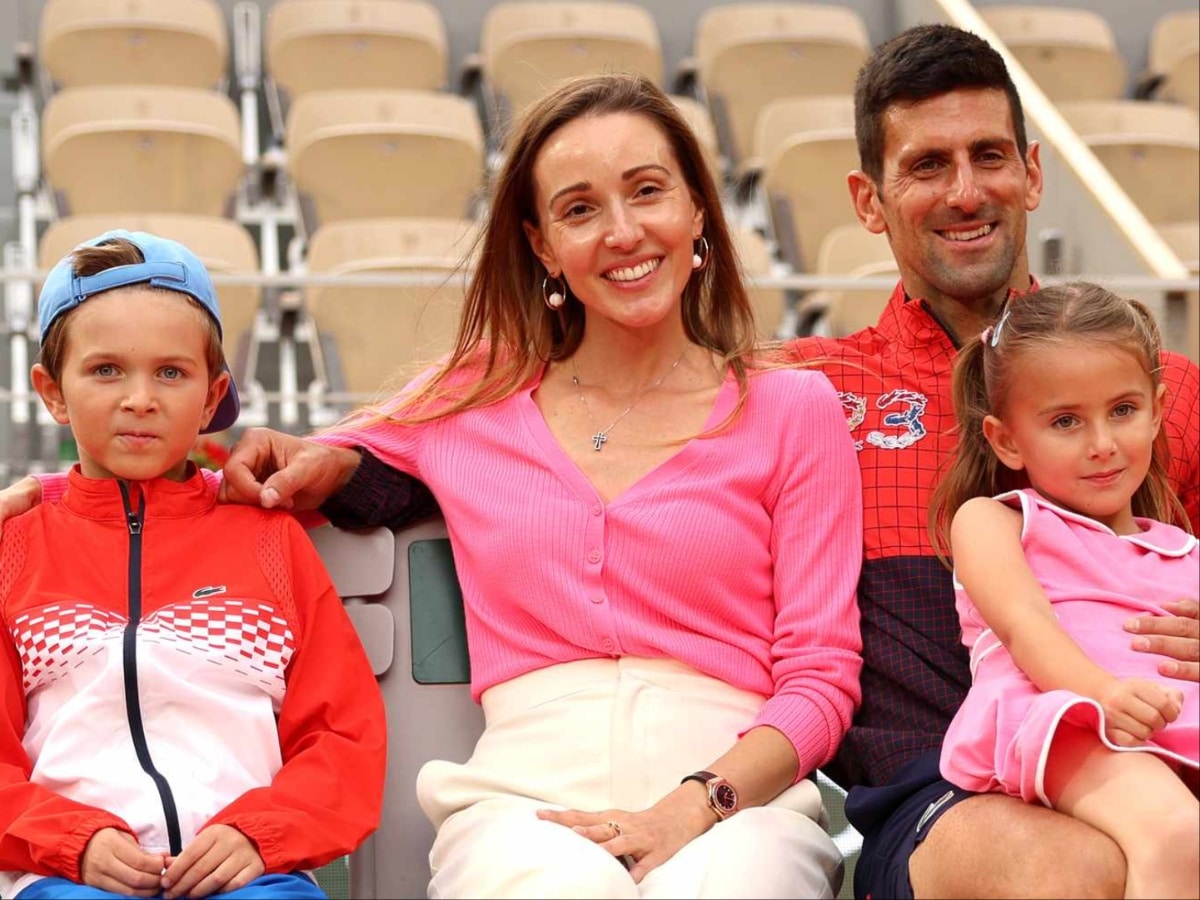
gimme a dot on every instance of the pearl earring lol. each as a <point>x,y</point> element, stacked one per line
<point>701,246</point>
<point>554,296</point>
<point>697,262</point>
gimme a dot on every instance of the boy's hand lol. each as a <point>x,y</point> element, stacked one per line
<point>113,861</point>
<point>220,858</point>
<point>1135,709</point>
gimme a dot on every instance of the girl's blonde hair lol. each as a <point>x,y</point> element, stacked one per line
<point>506,332</point>
<point>983,380</point>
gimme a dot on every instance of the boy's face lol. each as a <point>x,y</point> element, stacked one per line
<point>134,385</point>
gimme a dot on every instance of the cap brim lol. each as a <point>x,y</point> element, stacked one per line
<point>227,410</point>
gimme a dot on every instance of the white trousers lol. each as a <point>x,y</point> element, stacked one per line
<point>599,734</point>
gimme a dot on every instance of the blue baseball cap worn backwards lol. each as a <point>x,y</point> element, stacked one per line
<point>168,264</point>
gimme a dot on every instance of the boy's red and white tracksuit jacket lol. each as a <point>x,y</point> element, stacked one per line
<point>171,663</point>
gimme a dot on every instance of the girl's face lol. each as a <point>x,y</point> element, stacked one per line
<point>1081,418</point>
<point>616,218</point>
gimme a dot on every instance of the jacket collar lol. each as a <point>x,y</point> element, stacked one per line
<point>100,498</point>
<point>911,321</point>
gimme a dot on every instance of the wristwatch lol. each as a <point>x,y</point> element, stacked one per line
<point>722,796</point>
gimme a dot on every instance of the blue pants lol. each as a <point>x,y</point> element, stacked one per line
<point>294,886</point>
<point>893,819</point>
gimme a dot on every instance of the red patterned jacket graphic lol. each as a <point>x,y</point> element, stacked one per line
<point>201,671</point>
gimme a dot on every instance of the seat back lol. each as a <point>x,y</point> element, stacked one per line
<point>807,148</point>
<point>1174,53</point>
<point>851,310</point>
<point>529,46</point>
<point>769,303</point>
<point>850,247</point>
<point>401,592</point>
<point>1184,239</point>
<point>749,54</point>
<point>384,332</point>
<point>142,149</point>
<point>850,250</point>
<point>356,44</point>
<point>181,43</point>
<point>224,246</point>
<point>697,116</point>
<point>381,153</point>
<point>1071,53</point>
<point>1145,145</point>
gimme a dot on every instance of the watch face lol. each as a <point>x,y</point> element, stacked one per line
<point>725,797</point>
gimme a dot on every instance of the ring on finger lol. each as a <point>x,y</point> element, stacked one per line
<point>617,832</point>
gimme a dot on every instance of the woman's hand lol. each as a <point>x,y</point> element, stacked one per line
<point>1176,637</point>
<point>646,839</point>
<point>281,471</point>
<point>19,497</point>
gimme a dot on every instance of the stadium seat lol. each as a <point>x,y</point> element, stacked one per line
<point>142,149</point>
<point>696,114</point>
<point>372,154</point>
<point>747,54</point>
<point>181,43</point>
<point>356,44</point>
<point>852,251</point>
<point>806,148</point>
<point>224,246</point>
<point>1184,239</point>
<point>1174,54</point>
<point>769,303</point>
<point>402,594</point>
<point>1070,53</point>
<point>1151,148</point>
<point>381,331</point>
<point>525,47</point>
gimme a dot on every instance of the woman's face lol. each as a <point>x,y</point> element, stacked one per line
<point>616,218</point>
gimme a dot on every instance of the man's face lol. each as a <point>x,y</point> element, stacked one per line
<point>954,197</point>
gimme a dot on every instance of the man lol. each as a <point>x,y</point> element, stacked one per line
<point>948,175</point>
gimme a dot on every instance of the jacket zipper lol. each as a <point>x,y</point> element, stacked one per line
<point>133,707</point>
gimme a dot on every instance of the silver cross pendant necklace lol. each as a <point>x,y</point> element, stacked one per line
<point>600,438</point>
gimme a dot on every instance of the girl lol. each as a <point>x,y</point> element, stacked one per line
<point>1057,510</point>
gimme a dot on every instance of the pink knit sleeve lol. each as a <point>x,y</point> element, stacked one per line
<point>816,544</point>
<point>54,485</point>
<point>390,443</point>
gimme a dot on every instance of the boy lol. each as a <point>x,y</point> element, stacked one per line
<point>187,708</point>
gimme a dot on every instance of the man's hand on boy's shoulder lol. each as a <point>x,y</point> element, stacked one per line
<point>112,861</point>
<point>219,859</point>
<point>19,497</point>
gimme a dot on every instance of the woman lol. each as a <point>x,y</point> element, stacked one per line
<point>657,535</point>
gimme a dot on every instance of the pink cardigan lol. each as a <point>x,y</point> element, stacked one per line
<point>738,556</point>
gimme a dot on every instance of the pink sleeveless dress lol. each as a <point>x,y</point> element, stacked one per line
<point>1002,735</point>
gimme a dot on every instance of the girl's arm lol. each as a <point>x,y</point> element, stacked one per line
<point>989,562</point>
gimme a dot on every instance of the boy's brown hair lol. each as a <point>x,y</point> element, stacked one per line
<point>92,260</point>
